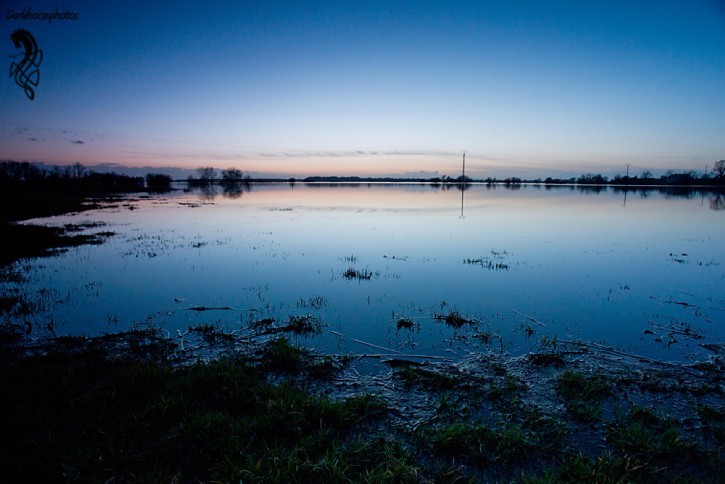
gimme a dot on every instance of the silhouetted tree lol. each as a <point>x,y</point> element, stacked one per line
<point>158,182</point>
<point>231,175</point>
<point>207,174</point>
<point>591,179</point>
<point>719,168</point>
<point>78,170</point>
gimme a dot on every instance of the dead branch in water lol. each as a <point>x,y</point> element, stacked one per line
<point>366,343</point>
<point>530,318</point>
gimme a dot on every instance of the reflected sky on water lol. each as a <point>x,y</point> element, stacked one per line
<point>645,274</point>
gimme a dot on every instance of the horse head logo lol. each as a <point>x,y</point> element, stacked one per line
<point>25,71</point>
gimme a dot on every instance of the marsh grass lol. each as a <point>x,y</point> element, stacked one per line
<point>316,302</point>
<point>454,319</point>
<point>482,445</point>
<point>305,325</point>
<point>713,422</point>
<point>494,262</point>
<point>546,359</point>
<point>487,263</point>
<point>583,394</point>
<point>92,417</point>
<point>359,274</point>
<point>654,442</point>
<point>135,407</point>
<point>430,380</point>
<point>406,323</point>
<point>25,241</point>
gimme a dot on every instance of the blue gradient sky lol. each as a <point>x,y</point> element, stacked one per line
<point>296,88</point>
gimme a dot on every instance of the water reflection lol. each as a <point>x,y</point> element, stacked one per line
<point>566,257</point>
<point>232,190</point>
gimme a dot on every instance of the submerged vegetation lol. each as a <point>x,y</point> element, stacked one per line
<point>359,274</point>
<point>455,319</point>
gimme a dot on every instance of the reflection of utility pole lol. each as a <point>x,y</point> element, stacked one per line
<point>463,181</point>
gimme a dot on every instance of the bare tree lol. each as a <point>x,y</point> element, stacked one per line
<point>231,175</point>
<point>719,168</point>
<point>646,174</point>
<point>78,170</point>
<point>207,174</point>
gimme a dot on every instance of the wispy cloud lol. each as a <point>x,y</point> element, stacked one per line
<point>350,153</point>
<point>78,142</point>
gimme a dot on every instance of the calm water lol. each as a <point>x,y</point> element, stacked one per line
<point>586,265</point>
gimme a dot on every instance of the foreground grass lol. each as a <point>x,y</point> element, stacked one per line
<point>127,408</point>
<point>69,416</point>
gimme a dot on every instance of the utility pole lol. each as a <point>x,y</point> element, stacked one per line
<point>628,169</point>
<point>463,177</point>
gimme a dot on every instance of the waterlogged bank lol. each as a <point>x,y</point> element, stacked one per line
<point>144,406</point>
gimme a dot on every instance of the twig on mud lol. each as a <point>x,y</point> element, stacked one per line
<point>614,352</point>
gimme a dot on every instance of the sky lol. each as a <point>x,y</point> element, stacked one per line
<point>283,88</point>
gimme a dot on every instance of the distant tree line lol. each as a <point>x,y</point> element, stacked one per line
<point>716,177</point>
<point>75,177</point>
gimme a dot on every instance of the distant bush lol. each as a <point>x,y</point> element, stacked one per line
<point>157,181</point>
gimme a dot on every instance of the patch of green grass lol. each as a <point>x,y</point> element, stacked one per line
<point>257,324</point>
<point>546,359</point>
<point>644,433</point>
<point>481,445</point>
<point>303,325</point>
<point>300,325</point>
<point>89,417</point>
<point>583,394</point>
<point>713,421</point>
<point>212,334</point>
<point>281,356</point>
<point>430,380</point>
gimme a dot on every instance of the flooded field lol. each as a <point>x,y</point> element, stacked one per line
<point>396,269</point>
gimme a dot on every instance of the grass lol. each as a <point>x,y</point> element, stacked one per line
<point>454,318</point>
<point>546,359</point>
<point>91,417</point>
<point>481,444</point>
<point>583,394</point>
<point>430,380</point>
<point>124,407</point>
<point>360,275</point>
<point>305,325</point>
<point>24,241</point>
<point>405,323</point>
<point>492,263</point>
